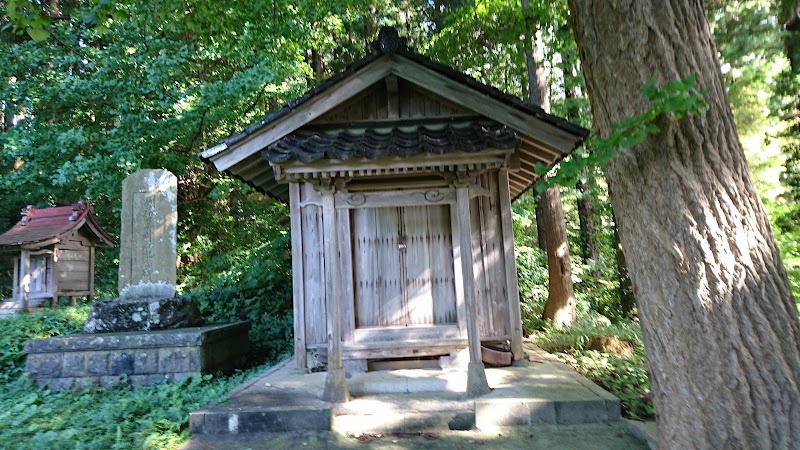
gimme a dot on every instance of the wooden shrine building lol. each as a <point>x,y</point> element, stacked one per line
<point>56,253</point>
<point>399,173</point>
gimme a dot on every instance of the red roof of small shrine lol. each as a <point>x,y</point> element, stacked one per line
<point>46,226</point>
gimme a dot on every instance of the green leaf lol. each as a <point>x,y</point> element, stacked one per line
<point>38,34</point>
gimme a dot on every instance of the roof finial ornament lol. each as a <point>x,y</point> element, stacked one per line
<point>27,214</point>
<point>389,41</point>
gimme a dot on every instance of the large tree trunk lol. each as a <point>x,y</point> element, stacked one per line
<point>626,297</point>
<point>719,320</point>
<point>541,239</point>
<point>560,306</point>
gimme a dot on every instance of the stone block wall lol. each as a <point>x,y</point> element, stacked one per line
<point>137,359</point>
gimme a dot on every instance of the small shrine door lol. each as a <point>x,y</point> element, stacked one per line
<point>403,266</point>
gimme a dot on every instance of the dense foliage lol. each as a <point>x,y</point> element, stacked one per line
<point>254,285</point>
<point>14,332</point>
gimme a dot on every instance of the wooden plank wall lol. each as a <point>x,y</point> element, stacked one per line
<point>411,102</point>
<point>313,268</point>
<point>442,273</point>
<point>343,221</point>
<point>489,262</point>
<point>73,268</point>
<point>388,286</point>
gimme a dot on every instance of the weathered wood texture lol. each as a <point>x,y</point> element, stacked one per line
<point>719,320</point>
<point>332,269</point>
<point>380,101</point>
<point>512,281</point>
<point>74,267</point>
<point>313,268</point>
<point>403,266</point>
<point>489,264</point>
<point>298,278</point>
<point>466,239</point>
<point>67,269</point>
<point>400,266</point>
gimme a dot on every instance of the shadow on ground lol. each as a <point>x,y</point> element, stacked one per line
<point>593,436</point>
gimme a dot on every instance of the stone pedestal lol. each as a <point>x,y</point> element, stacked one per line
<point>142,314</point>
<point>143,357</point>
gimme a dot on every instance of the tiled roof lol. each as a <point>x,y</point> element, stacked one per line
<point>403,141</point>
<point>393,44</point>
<point>47,225</point>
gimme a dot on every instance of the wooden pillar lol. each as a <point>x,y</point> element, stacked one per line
<point>336,389</point>
<point>91,274</point>
<point>298,284</point>
<point>476,373</point>
<point>16,283</point>
<point>512,282</point>
<point>25,277</point>
<point>52,285</point>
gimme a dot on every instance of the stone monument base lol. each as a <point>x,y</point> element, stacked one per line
<point>142,314</point>
<point>136,359</point>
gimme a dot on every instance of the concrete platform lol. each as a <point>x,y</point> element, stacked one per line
<point>542,391</point>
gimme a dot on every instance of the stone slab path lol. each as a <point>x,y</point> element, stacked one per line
<point>541,396</point>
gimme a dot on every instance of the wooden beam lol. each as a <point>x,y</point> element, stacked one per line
<point>305,113</point>
<point>516,183</point>
<point>335,384</point>
<point>253,170</point>
<point>406,333</point>
<point>402,349</point>
<point>25,277</point>
<point>410,197</point>
<point>298,296</point>
<point>16,292</point>
<point>345,261</point>
<point>476,385</point>
<point>91,272</point>
<point>392,100</point>
<point>467,97</point>
<point>493,157</point>
<point>512,282</point>
<point>531,154</point>
<point>554,152</point>
<point>458,276</point>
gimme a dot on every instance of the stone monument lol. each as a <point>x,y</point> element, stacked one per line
<point>148,234</point>
<point>147,261</point>
<point>147,334</point>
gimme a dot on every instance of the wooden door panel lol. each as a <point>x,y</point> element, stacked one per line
<point>443,288</point>
<point>403,266</point>
<point>417,265</point>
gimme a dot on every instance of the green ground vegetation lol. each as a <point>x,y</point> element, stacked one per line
<point>148,418</point>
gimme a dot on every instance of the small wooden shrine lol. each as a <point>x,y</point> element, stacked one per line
<point>400,173</point>
<point>56,253</point>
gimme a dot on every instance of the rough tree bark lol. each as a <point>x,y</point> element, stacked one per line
<point>541,239</point>
<point>626,297</point>
<point>719,320</point>
<point>560,306</point>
